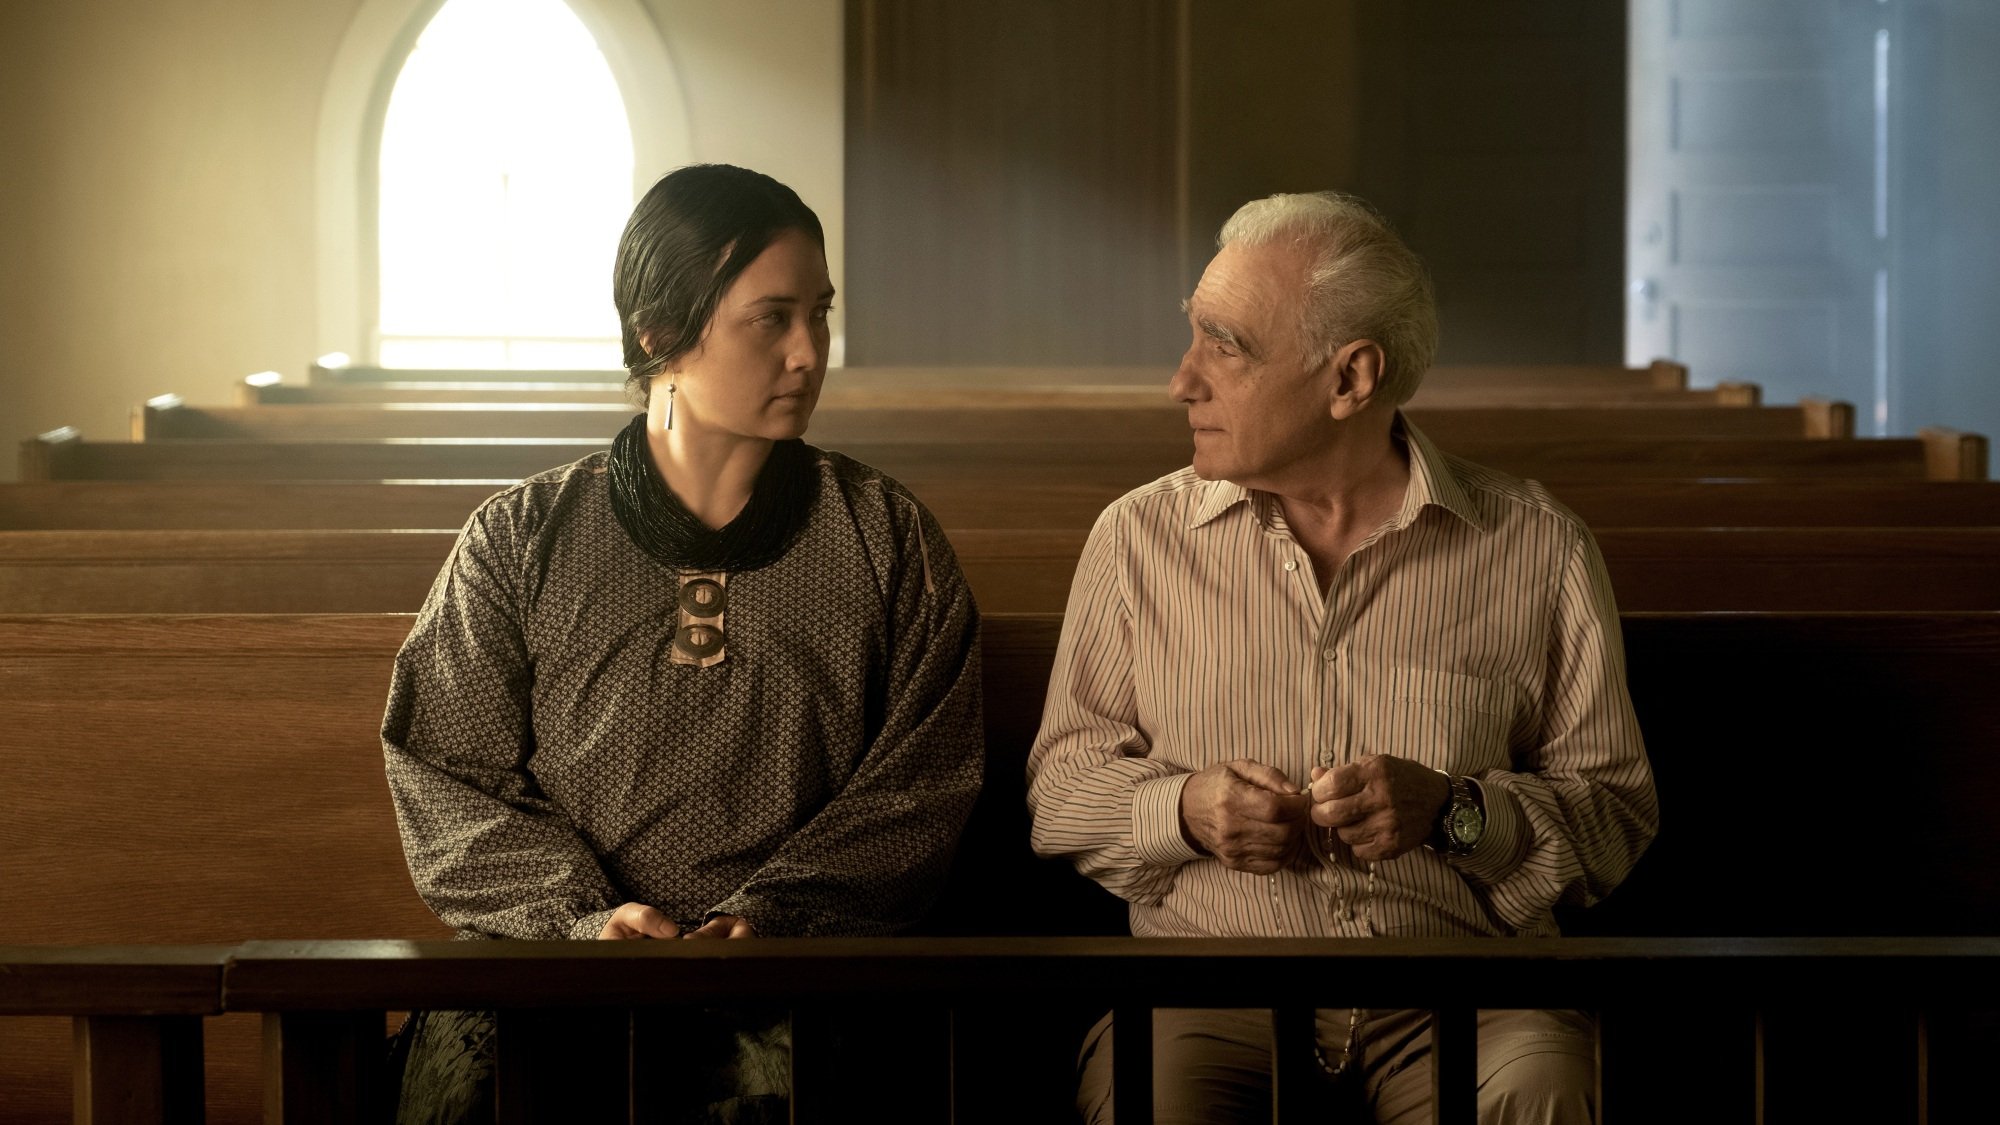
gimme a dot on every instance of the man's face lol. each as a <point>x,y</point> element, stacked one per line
<point>1254,409</point>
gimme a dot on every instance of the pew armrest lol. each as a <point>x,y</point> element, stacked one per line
<point>1953,454</point>
<point>1827,418</point>
<point>1668,375</point>
<point>159,417</point>
<point>45,456</point>
<point>1739,394</point>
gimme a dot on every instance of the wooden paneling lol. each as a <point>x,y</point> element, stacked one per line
<point>1493,136</point>
<point>1039,182</point>
<point>1011,173</point>
<point>1274,104</point>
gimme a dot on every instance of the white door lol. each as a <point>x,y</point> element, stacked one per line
<point>1757,238</point>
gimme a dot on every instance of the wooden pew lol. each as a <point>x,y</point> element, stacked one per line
<point>219,571</point>
<point>1663,384</point>
<point>168,419</point>
<point>1660,375</point>
<point>1803,569</point>
<point>108,505</point>
<point>277,505</point>
<point>1851,569</point>
<point>1799,570</point>
<point>838,395</point>
<point>262,733</point>
<point>228,787</point>
<point>1935,455</point>
<point>1781,503</point>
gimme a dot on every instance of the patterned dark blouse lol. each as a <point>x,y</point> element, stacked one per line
<point>804,757</point>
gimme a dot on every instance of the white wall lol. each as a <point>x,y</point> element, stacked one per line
<point>1947,344</point>
<point>157,199</point>
<point>763,86</point>
<point>156,206</point>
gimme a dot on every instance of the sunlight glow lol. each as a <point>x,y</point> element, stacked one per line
<point>506,176</point>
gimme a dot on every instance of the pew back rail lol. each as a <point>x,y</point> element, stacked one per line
<point>1936,454</point>
<point>129,505</point>
<point>167,418</point>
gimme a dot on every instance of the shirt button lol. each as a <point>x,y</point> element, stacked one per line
<point>1330,654</point>
<point>703,597</point>
<point>1291,566</point>
<point>699,640</point>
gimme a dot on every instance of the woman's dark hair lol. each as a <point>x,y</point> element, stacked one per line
<point>672,268</point>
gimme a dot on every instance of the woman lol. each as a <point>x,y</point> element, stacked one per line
<point>714,683</point>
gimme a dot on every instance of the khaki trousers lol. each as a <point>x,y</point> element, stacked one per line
<point>1212,1066</point>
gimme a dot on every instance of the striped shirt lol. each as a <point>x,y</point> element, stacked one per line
<point>1474,632</point>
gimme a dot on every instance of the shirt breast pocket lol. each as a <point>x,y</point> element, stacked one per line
<point>1448,720</point>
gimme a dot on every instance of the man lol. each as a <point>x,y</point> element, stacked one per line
<point>1329,681</point>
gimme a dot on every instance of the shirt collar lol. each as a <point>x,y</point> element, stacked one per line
<point>1218,496</point>
<point>1431,482</point>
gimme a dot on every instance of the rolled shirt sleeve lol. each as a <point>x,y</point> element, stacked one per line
<point>1567,823</point>
<point>1096,796</point>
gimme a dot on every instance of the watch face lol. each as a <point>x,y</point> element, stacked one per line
<point>1467,825</point>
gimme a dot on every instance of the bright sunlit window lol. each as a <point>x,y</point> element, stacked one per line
<point>506,176</point>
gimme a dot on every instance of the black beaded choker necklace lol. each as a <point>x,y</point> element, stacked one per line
<point>780,503</point>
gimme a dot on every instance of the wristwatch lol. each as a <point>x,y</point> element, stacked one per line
<point>1462,823</point>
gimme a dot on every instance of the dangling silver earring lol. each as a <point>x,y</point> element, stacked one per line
<point>670,406</point>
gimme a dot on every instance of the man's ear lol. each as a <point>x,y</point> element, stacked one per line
<point>1356,371</point>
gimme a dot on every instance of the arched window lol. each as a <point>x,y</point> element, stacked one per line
<point>505,177</point>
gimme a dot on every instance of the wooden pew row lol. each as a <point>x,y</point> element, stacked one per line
<point>323,1003</point>
<point>1660,382</point>
<point>1660,375</point>
<point>1657,570</point>
<point>130,821</point>
<point>1851,569</point>
<point>168,419</point>
<point>1934,455</point>
<point>262,731</point>
<point>838,393</point>
<point>108,505</point>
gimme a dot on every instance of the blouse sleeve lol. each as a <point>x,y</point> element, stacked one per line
<point>875,856</point>
<point>488,850</point>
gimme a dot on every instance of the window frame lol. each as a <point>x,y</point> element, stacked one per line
<point>356,104</point>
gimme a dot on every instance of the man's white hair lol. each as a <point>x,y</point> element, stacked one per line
<point>1362,283</point>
